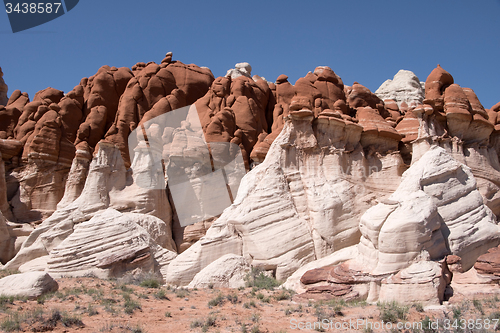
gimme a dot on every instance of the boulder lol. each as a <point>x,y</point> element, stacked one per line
<point>111,244</point>
<point>229,271</point>
<point>29,284</point>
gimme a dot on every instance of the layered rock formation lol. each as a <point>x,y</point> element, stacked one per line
<point>350,193</point>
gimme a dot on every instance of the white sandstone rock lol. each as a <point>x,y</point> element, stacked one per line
<point>229,271</point>
<point>404,87</point>
<point>241,69</point>
<point>108,245</point>
<point>107,185</point>
<point>31,284</point>
<point>300,204</point>
<point>421,282</point>
<point>437,200</point>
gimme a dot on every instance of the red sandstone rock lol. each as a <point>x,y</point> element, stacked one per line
<point>408,127</point>
<point>10,148</point>
<point>151,83</point>
<point>377,133</point>
<point>10,114</point>
<point>457,109</point>
<point>496,107</point>
<point>489,263</point>
<point>436,83</point>
<point>476,106</point>
<point>43,143</point>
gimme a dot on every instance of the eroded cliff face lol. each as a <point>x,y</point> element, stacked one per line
<point>349,192</point>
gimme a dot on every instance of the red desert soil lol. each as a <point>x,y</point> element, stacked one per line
<point>111,306</point>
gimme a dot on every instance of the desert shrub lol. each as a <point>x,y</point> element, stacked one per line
<point>232,298</point>
<point>123,287</point>
<point>256,278</point>
<point>495,315</point>
<point>151,283</point>
<point>181,293</point>
<point>219,300</point>
<point>11,323</point>
<point>457,312</point>
<point>196,323</point>
<point>478,305</point>
<point>284,295</point>
<point>392,312</point>
<point>255,329</point>
<point>130,305</point>
<point>249,304</point>
<point>5,301</point>
<point>161,294</point>
<point>69,320</point>
<point>91,311</point>
<point>168,314</point>
<point>418,307</point>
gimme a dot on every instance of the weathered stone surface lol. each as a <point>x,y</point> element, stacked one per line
<point>405,87</point>
<point>7,242</point>
<point>422,282</point>
<point>489,263</point>
<point>435,85</point>
<point>186,84</point>
<point>328,191</point>
<point>111,244</point>
<point>228,271</point>
<point>240,69</point>
<point>377,134</point>
<point>446,192</point>
<point>107,185</point>
<point>30,284</point>
<point>305,230</point>
<point>405,236</point>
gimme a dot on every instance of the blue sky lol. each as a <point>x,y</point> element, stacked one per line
<point>364,41</point>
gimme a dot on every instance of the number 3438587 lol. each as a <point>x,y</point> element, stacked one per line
<point>33,8</point>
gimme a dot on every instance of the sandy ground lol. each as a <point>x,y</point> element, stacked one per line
<point>94,305</point>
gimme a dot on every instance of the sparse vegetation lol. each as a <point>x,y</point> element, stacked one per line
<point>5,301</point>
<point>284,294</point>
<point>181,293</point>
<point>205,325</point>
<point>151,283</point>
<point>162,294</point>
<point>69,320</point>
<point>91,311</point>
<point>11,323</point>
<point>130,305</point>
<point>392,312</point>
<point>219,300</point>
<point>93,300</point>
<point>457,312</point>
<point>233,298</point>
<point>259,280</point>
<point>478,305</point>
<point>418,307</point>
